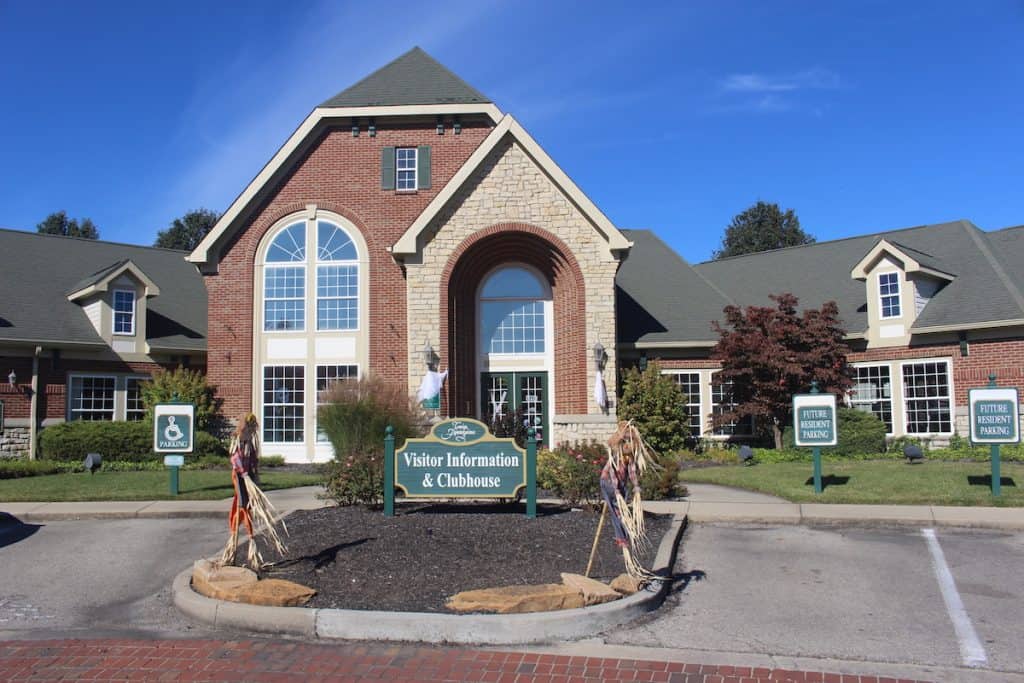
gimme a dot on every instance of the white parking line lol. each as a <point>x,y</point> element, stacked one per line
<point>971,650</point>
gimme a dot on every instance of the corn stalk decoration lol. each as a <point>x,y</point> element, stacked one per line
<point>629,456</point>
<point>250,506</point>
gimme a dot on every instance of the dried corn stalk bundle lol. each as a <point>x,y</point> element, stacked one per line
<point>629,458</point>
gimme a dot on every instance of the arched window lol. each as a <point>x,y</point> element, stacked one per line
<point>284,281</point>
<point>337,279</point>
<point>512,319</point>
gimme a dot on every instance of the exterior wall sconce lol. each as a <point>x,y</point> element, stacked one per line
<point>642,363</point>
<point>457,126</point>
<point>440,126</point>
<point>599,356</point>
<point>12,379</point>
<point>372,129</point>
<point>355,128</point>
<point>965,349</point>
<point>428,355</point>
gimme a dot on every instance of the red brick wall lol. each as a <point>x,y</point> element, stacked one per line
<point>341,174</point>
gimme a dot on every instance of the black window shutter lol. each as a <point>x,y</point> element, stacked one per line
<point>423,167</point>
<point>387,168</point>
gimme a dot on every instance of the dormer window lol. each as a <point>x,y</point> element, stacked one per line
<point>889,294</point>
<point>124,311</point>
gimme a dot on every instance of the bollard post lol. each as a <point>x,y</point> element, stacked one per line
<point>531,473</point>
<point>389,471</point>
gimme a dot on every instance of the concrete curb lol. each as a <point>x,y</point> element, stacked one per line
<point>489,629</point>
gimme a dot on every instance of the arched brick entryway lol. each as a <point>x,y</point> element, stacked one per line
<point>468,264</point>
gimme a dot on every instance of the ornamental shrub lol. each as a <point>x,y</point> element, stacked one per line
<point>861,436</point>
<point>115,441</point>
<point>354,417</point>
<point>189,386</point>
<point>657,407</point>
<point>662,483</point>
<point>572,472</point>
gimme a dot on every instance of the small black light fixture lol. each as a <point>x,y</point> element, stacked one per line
<point>746,455</point>
<point>457,126</point>
<point>372,128</point>
<point>440,125</point>
<point>12,379</point>
<point>913,453</point>
<point>642,363</point>
<point>965,349</point>
<point>355,128</point>
<point>428,354</point>
<point>599,356</point>
<point>93,461</point>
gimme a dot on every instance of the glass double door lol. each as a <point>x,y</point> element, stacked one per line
<point>507,397</point>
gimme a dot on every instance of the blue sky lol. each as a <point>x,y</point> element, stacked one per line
<point>861,116</point>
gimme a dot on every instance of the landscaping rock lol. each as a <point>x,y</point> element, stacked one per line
<point>626,584</point>
<point>593,592</point>
<point>275,593</point>
<point>220,583</point>
<point>517,599</point>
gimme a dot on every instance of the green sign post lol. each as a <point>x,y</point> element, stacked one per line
<point>174,433</point>
<point>460,459</point>
<point>814,424</point>
<point>995,420</point>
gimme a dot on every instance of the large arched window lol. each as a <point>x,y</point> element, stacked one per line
<point>512,316</point>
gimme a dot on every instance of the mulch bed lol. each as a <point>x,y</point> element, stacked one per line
<point>356,558</point>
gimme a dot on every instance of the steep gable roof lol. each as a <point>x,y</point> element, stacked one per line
<point>39,271</point>
<point>413,78</point>
<point>100,281</point>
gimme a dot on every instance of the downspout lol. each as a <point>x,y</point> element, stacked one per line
<point>33,416</point>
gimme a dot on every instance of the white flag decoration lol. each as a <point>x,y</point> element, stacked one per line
<point>431,384</point>
<point>600,395</point>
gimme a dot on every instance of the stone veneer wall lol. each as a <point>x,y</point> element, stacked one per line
<point>509,187</point>
<point>14,442</point>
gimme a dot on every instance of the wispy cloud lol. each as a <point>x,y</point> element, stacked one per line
<point>809,79</point>
<point>775,93</point>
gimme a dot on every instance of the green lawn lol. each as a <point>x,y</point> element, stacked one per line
<point>873,482</point>
<point>153,485</point>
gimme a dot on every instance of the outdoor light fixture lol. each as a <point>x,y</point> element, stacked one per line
<point>965,350</point>
<point>355,128</point>
<point>642,363</point>
<point>12,379</point>
<point>93,461</point>
<point>746,455</point>
<point>440,126</point>
<point>428,353</point>
<point>599,356</point>
<point>913,453</point>
<point>457,126</point>
<point>372,128</point>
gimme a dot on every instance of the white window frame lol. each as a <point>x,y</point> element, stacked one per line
<point>898,296</point>
<point>116,313</point>
<point>267,268</point>
<point>316,372</point>
<point>713,430</point>
<point>136,378</point>
<point>547,306</point>
<point>951,397</point>
<point>321,264</point>
<point>399,168</point>
<point>892,392</point>
<point>301,404</point>
<point>699,403</point>
<point>71,411</point>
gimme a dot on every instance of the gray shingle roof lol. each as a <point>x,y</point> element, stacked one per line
<point>659,297</point>
<point>37,272</point>
<point>413,78</point>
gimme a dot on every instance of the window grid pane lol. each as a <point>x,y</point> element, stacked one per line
<point>531,398</point>
<point>124,312</point>
<point>289,245</point>
<point>92,398</point>
<point>926,394</point>
<point>284,294</point>
<point>872,393</point>
<point>497,398</point>
<point>519,327</point>
<point>326,377</point>
<point>337,305</point>
<point>405,168</point>
<point>134,410</point>
<point>721,402</point>
<point>334,244</point>
<point>689,384</point>
<point>889,291</point>
<point>284,399</point>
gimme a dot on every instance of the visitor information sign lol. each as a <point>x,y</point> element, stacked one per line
<point>460,458</point>
<point>173,427</point>
<point>814,420</point>
<point>995,417</point>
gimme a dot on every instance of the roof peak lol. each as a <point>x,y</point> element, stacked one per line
<point>413,78</point>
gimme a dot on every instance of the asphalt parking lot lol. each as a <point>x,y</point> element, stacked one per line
<point>853,593</point>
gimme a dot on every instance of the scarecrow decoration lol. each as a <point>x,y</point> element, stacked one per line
<point>250,503</point>
<point>629,456</point>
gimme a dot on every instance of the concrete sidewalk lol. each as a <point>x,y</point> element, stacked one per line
<point>705,503</point>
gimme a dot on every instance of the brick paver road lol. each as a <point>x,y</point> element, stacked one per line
<point>272,661</point>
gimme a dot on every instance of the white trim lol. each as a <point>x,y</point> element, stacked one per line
<point>951,397</point>
<point>882,297</point>
<point>149,288</point>
<point>68,412</point>
<point>415,169</point>
<point>113,311</point>
<point>321,115</point>
<point>892,389</point>
<point>967,326</point>
<point>910,265</point>
<point>615,240</point>
<point>700,398</point>
<point>262,406</point>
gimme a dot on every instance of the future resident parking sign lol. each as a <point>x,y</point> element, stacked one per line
<point>814,420</point>
<point>994,416</point>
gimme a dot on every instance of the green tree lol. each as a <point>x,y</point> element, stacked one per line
<point>188,231</point>
<point>657,407</point>
<point>760,228</point>
<point>58,223</point>
<point>768,354</point>
<point>183,384</point>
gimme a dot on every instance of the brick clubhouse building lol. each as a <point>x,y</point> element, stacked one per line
<point>407,217</point>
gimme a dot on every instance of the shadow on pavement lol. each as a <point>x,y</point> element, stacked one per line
<point>13,529</point>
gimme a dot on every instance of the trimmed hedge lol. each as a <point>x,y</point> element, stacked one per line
<point>115,441</point>
<point>860,434</point>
